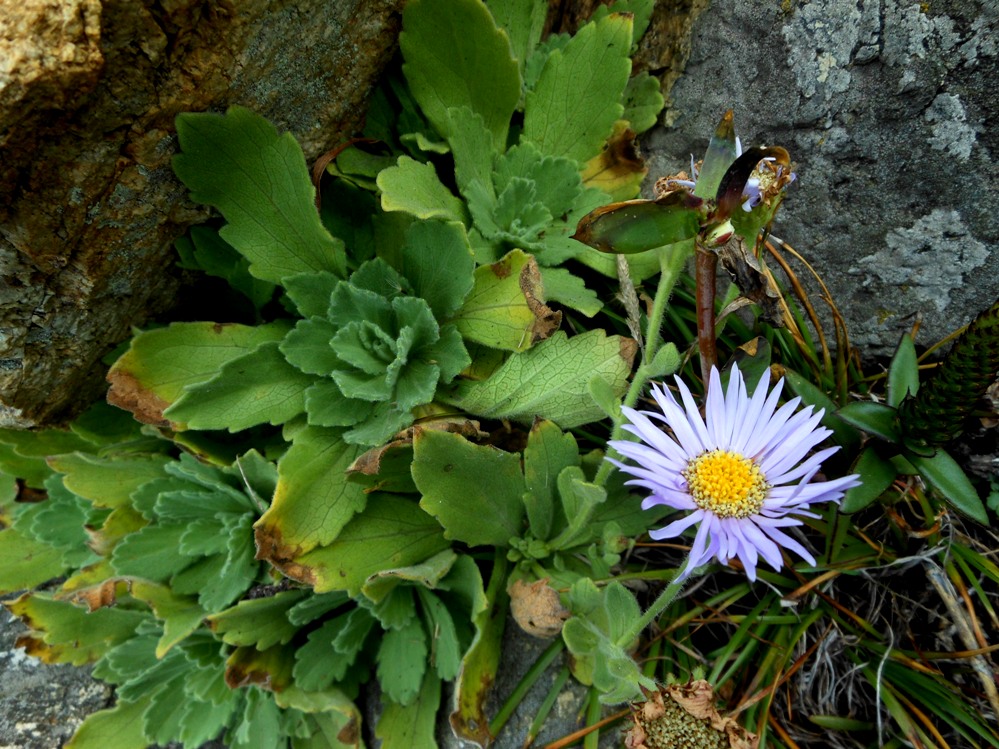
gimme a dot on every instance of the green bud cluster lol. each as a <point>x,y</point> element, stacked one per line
<point>938,411</point>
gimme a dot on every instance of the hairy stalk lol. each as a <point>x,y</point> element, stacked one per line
<point>671,266</point>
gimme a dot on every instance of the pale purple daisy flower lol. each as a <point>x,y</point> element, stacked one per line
<point>742,472</point>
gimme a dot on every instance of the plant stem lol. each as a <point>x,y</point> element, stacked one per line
<point>706,270</point>
<point>665,598</point>
<point>671,265</point>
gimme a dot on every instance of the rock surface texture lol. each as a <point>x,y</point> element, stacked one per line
<point>888,107</point>
<point>88,204</point>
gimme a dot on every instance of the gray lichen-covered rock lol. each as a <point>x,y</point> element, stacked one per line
<point>89,207</point>
<point>888,108</point>
<point>41,705</point>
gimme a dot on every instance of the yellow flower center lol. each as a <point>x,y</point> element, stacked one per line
<point>726,483</point>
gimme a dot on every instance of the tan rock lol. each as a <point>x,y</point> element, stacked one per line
<point>89,206</point>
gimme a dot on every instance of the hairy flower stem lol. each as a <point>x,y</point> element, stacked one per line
<point>671,265</point>
<point>706,270</point>
<point>658,606</point>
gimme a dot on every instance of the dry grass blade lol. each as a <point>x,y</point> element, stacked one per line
<point>965,631</point>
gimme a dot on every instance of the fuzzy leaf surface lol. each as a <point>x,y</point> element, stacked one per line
<point>391,532</point>
<point>551,380</point>
<point>260,183</point>
<point>573,107</point>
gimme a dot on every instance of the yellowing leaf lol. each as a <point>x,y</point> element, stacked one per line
<point>159,363</point>
<point>313,500</point>
<point>505,308</point>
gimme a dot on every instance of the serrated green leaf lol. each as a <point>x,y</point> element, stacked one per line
<point>317,665</point>
<point>152,553</point>
<point>390,533</point>
<point>327,406</point>
<point>179,615</point>
<point>445,648</point>
<point>395,610</point>
<point>307,346</point>
<point>33,471</point>
<point>119,727</point>
<point>59,522</point>
<point>523,21</point>
<point>260,387</point>
<point>351,638</point>
<point>572,109</point>
<point>402,661</point>
<point>260,182</point>
<point>310,292</point>
<point>260,622</point>
<point>447,469</point>
<point>160,363</point>
<point>437,260</point>
<point>25,562</point>
<point>200,722</point>
<point>641,11</point>
<point>65,633</point>
<point>313,500</point>
<point>414,725</point>
<point>505,307</point>
<point>108,482</point>
<point>44,442</point>
<point>876,475</point>
<point>903,372</point>
<point>643,101</point>
<point>415,188</point>
<point>548,452</point>
<point>944,474</point>
<point>427,573</point>
<point>261,726</point>
<point>569,290</point>
<point>551,380</point>
<point>472,148</point>
<point>454,56</point>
